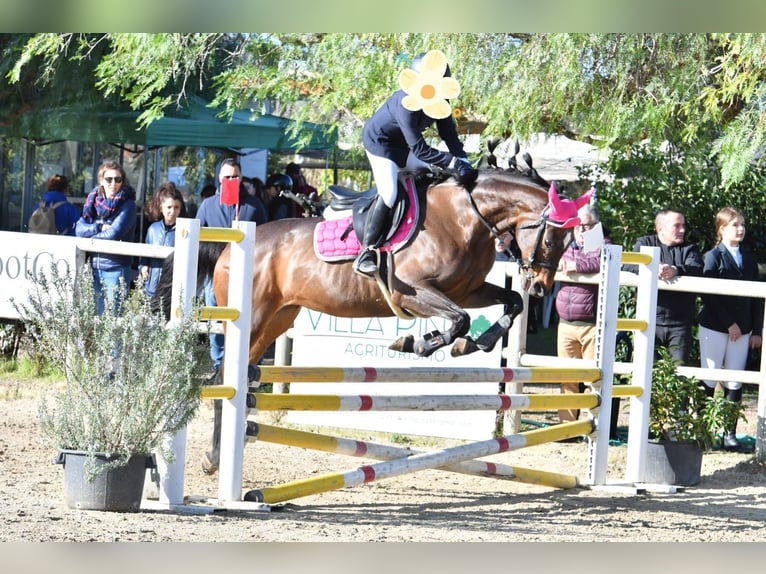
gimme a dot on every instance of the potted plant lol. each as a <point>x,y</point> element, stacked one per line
<point>128,381</point>
<point>683,422</point>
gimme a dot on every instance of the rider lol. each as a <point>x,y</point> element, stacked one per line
<point>393,139</point>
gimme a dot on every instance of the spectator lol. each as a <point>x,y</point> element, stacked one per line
<point>213,213</point>
<point>110,213</point>
<point>577,303</point>
<point>279,207</point>
<point>675,309</point>
<point>67,213</point>
<point>393,139</point>
<point>164,209</point>
<point>207,191</point>
<point>300,187</point>
<point>729,325</point>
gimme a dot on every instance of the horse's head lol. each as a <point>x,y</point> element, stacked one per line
<point>542,242</point>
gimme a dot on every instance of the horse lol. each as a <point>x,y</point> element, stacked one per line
<point>441,271</point>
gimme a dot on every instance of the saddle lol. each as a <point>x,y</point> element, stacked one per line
<point>347,213</point>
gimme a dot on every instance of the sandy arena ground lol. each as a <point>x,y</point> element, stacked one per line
<point>728,505</point>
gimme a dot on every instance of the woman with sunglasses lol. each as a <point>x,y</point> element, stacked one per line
<point>110,213</point>
<point>576,304</point>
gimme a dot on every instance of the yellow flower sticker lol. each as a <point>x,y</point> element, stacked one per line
<point>428,89</point>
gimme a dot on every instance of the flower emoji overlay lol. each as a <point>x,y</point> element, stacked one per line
<point>428,89</point>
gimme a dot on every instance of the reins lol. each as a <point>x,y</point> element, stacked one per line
<point>540,223</point>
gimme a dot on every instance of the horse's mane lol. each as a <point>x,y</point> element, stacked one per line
<point>513,177</point>
<point>528,175</point>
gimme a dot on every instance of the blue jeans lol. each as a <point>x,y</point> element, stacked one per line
<point>108,287</point>
<point>216,339</point>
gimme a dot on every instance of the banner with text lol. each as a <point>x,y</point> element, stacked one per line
<point>25,254</point>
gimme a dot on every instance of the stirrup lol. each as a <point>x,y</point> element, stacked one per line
<point>366,263</point>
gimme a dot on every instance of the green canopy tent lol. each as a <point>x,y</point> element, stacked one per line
<point>195,125</point>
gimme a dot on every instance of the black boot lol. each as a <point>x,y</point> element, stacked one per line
<point>366,263</point>
<point>730,441</point>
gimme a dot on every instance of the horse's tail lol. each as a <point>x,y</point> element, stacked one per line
<point>208,256</point>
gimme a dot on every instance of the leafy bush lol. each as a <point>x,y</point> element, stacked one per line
<point>129,379</point>
<point>681,410</point>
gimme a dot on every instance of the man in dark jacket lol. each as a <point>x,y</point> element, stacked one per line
<point>675,309</point>
<point>213,213</point>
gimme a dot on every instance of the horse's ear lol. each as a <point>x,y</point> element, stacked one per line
<point>553,198</point>
<point>584,198</point>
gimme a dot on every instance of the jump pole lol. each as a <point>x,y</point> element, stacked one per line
<point>242,239</point>
<point>414,463</point>
<point>359,448</point>
<point>541,402</point>
<point>185,255</point>
<point>643,361</point>
<point>269,374</point>
<point>235,364</point>
<point>606,335</point>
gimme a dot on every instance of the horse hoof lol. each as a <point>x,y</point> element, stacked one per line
<point>404,344</point>
<point>209,467</point>
<point>463,346</point>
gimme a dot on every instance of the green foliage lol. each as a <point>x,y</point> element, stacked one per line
<point>633,185</point>
<point>129,379</point>
<point>680,410</point>
<point>701,91</point>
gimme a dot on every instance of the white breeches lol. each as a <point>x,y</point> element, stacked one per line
<point>386,173</point>
<point>717,351</point>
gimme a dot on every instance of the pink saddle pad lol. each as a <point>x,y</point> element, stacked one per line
<point>329,246</point>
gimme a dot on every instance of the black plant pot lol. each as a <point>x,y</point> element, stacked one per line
<point>672,462</point>
<point>115,489</point>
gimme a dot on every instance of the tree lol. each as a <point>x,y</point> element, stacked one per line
<point>704,91</point>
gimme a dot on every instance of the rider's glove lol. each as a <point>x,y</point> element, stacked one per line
<point>465,172</point>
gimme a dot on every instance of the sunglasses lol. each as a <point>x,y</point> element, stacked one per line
<point>586,226</point>
<point>231,177</point>
<point>117,179</point>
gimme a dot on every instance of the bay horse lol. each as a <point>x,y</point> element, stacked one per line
<point>440,272</point>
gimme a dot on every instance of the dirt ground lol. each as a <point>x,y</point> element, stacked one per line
<point>728,505</point>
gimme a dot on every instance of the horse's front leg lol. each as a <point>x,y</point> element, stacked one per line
<point>429,303</point>
<point>486,295</point>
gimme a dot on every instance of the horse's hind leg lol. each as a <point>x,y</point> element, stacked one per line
<point>259,342</point>
<point>212,457</point>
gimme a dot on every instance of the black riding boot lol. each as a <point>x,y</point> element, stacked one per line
<point>730,441</point>
<point>373,236</point>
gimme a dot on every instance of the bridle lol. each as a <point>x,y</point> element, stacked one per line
<point>515,254</point>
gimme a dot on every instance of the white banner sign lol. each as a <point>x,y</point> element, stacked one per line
<point>25,254</point>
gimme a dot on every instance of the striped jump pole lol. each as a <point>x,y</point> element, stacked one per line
<point>275,374</point>
<point>273,402</point>
<point>414,463</point>
<point>359,448</point>
<point>539,402</point>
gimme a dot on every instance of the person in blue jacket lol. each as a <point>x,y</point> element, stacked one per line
<point>393,139</point>
<point>110,213</point>
<point>67,213</point>
<point>166,206</point>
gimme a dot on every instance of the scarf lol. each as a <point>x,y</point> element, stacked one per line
<point>98,207</point>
